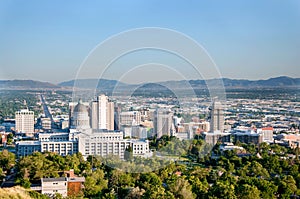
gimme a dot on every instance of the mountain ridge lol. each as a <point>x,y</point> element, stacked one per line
<point>108,85</point>
<point>26,84</point>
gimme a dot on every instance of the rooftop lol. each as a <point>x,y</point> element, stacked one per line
<point>28,143</point>
<point>76,179</point>
<point>53,179</point>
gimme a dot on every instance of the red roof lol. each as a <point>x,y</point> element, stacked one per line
<point>268,128</point>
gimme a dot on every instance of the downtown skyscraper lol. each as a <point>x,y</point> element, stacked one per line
<point>216,117</point>
<point>163,122</point>
<point>25,121</point>
<point>102,113</point>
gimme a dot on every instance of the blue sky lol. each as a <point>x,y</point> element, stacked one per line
<point>48,40</point>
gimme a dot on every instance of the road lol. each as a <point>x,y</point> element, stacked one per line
<point>46,109</point>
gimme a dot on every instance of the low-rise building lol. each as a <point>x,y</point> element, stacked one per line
<point>87,142</point>
<point>229,147</point>
<point>51,186</point>
<point>46,123</point>
<point>217,136</point>
<point>247,136</point>
<point>24,148</point>
<point>68,185</point>
<point>267,133</point>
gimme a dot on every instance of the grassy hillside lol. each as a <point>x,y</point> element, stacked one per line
<point>14,192</point>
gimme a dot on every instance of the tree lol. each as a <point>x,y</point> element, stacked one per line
<point>121,182</point>
<point>254,169</point>
<point>7,160</point>
<point>286,186</point>
<point>149,179</point>
<point>181,189</point>
<point>267,188</point>
<point>223,190</point>
<point>1,174</point>
<point>37,195</point>
<point>246,191</point>
<point>135,193</point>
<point>95,183</point>
<point>200,187</point>
<point>25,183</point>
<point>157,191</point>
<point>10,138</point>
<point>128,154</point>
<point>272,162</point>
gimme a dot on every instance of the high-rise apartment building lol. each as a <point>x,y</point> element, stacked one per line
<point>163,122</point>
<point>216,117</point>
<point>94,114</point>
<point>24,121</point>
<point>102,113</point>
<point>110,115</point>
<point>216,125</point>
<point>117,112</point>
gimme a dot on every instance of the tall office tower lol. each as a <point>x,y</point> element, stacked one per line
<point>110,110</point>
<point>102,113</point>
<point>116,116</point>
<point>216,117</point>
<point>24,121</point>
<point>94,114</point>
<point>163,122</point>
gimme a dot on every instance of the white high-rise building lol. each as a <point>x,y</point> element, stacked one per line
<point>216,117</point>
<point>24,121</point>
<point>110,116</point>
<point>163,122</point>
<point>102,113</point>
<point>216,125</point>
<point>94,114</point>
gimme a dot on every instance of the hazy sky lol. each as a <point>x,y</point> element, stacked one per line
<point>48,40</point>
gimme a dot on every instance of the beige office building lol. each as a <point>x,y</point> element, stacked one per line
<point>217,117</point>
<point>130,118</point>
<point>24,121</point>
<point>163,122</point>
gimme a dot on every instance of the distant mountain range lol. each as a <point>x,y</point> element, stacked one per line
<point>105,85</point>
<point>102,84</point>
<point>26,84</point>
<point>281,81</point>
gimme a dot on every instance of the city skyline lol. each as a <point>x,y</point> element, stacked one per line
<point>150,99</point>
<point>48,41</point>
